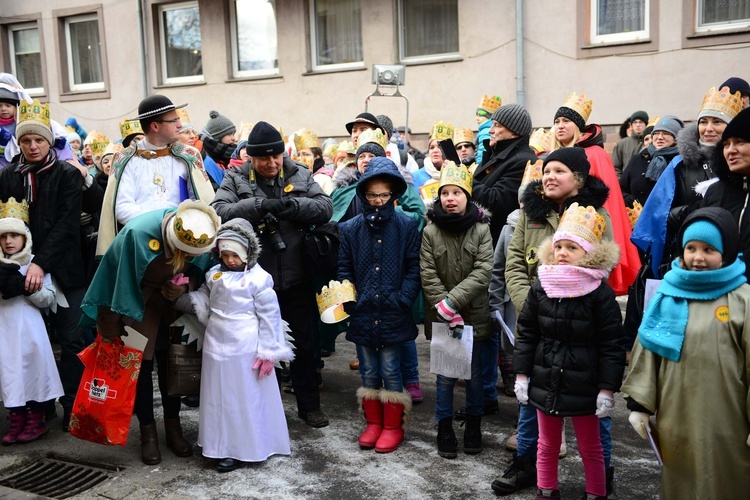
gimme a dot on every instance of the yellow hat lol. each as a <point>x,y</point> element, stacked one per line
<point>130,127</point>
<point>304,139</point>
<point>583,225</point>
<point>461,135</point>
<point>455,175</point>
<point>331,300</point>
<point>34,119</point>
<point>490,104</point>
<point>372,135</point>
<point>721,104</point>
<point>98,142</point>
<point>441,131</point>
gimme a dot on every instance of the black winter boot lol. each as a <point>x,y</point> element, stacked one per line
<point>610,480</point>
<point>520,474</point>
<point>446,439</point>
<point>473,434</point>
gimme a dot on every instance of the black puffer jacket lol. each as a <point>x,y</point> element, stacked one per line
<point>571,348</point>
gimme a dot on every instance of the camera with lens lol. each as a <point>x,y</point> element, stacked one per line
<point>269,226</point>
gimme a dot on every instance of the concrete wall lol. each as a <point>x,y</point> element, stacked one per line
<point>665,79</point>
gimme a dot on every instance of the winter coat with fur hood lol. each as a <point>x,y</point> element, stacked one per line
<point>571,348</point>
<point>458,266</point>
<point>538,221</point>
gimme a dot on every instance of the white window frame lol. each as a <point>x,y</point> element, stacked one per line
<point>420,59</point>
<point>11,46</point>
<point>717,27</point>
<point>81,87</point>
<point>314,47</point>
<point>163,43</point>
<point>237,73</point>
<point>623,37</point>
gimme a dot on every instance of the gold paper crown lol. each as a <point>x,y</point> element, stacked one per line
<point>331,150</point>
<point>653,121</point>
<point>583,222</point>
<point>347,146</point>
<point>36,111</point>
<point>541,140</point>
<point>490,103</point>
<point>182,114</point>
<point>451,174</point>
<point>463,135</point>
<point>98,142</point>
<point>304,139</point>
<point>634,213</point>
<point>243,132</point>
<point>722,101</point>
<point>15,210</point>
<point>579,104</point>
<point>187,237</point>
<point>372,135</point>
<point>532,172</point>
<point>129,127</point>
<point>334,294</point>
<point>113,148</point>
<point>441,131</point>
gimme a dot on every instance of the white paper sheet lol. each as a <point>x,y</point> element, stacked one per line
<point>134,339</point>
<point>448,356</point>
<point>511,336</point>
<point>651,286</point>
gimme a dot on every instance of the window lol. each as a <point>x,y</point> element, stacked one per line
<point>614,21</point>
<point>428,29</point>
<point>254,41</point>
<point>26,56</point>
<point>713,15</point>
<point>181,52</point>
<point>84,56</point>
<point>336,27</point>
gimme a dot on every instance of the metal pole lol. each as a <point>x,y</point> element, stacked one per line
<point>142,50</point>
<point>520,93</point>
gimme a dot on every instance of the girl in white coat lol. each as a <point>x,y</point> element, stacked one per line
<point>242,417</point>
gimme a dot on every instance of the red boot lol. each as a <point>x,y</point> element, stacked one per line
<point>369,401</point>
<point>396,409</point>
<point>17,418</point>
<point>35,426</point>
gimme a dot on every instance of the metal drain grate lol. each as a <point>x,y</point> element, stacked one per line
<point>55,478</point>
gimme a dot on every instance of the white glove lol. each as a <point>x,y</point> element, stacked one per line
<point>638,419</point>
<point>605,404</point>
<point>521,388</point>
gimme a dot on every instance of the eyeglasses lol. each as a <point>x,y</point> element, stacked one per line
<point>175,120</point>
<point>375,196</point>
<point>464,146</point>
<point>661,133</point>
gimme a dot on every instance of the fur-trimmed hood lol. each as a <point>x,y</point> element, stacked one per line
<point>484,215</point>
<point>593,193</point>
<point>604,256</point>
<point>244,229</point>
<point>693,154</point>
<point>12,225</point>
<point>349,174</point>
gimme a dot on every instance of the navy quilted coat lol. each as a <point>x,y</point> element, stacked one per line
<point>379,253</point>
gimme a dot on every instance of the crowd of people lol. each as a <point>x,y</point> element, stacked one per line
<point>525,236</point>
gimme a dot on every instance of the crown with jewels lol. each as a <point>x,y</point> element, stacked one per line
<point>490,103</point>
<point>463,135</point>
<point>653,121</point>
<point>305,139</point>
<point>634,213</point>
<point>331,150</point>
<point>372,135</point>
<point>347,146</point>
<point>722,102</point>
<point>541,140</point>
<point>441,131</point>
<point>129,127</point>
<point>532,172</point>
<point>98,142</point>
<point>15,210</point>
<point>331,299</point>
<point>36,112</point>
<point>456,175</point>
<point>579,104</point>
<point>113,148</point>
<point>582,225</point>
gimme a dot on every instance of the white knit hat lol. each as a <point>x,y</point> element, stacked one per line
<point>193,227</point>
<point>233,246</point>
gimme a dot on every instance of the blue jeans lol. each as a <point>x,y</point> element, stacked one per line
<point>409,362</point>
<point>381,367</point>
<point>445,385</point>
<point>528,434</point>
<point>488,349</point>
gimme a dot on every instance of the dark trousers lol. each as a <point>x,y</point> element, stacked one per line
<point>71,339</point>
<point>299,310</point>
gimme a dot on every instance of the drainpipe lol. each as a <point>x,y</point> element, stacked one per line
<point>142,49</point>
<point>520,93</point>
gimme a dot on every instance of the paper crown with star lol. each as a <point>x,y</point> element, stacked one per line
<point>582,225</point>
<point>457,175</point>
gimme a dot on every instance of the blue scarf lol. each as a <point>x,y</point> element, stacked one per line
<point>662,330</point>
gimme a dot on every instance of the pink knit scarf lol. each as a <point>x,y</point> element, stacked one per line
<point>561,281</point>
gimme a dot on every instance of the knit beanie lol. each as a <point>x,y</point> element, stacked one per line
<point>515,118</point>
<point>386,124</point>
<point>571,115</point>
<point>264,140</point>
<point>739,127</point>
<point>73,136</point>
<point>574,158</point>
<point>736,84</point>
<point>9,97</point>
<point>705,231</point>
<point>219,126</point>
<point>370,147</point>
<point>670,124</point>
<point>34,127</point>
<point>233,244</point>
<point>639,115</point>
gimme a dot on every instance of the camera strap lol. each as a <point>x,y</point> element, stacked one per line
<point>270,188</point>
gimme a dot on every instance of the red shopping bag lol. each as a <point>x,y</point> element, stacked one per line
<point>104,403</point>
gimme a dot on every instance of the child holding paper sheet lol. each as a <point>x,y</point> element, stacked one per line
<point>456,264</point>
<point>690,364</point>
<point>568,356</point>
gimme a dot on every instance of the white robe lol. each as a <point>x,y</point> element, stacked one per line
<point>27,366</point>
<point>241,416</point>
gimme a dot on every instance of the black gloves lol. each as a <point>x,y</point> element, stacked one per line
<point>290,210</point>
<point>14,285</point>
<point>272,206</point>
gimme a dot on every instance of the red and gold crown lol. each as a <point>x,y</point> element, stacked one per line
<point>331,299</point>
<point>372,135</point>
<point>456,175</point>
<point>98,142</point>
<point>441,131</point>
<point>540,140</point>
<point>129,127</point>
<point>532,172</point>
<point>579,104</point>
<point>721,104</point>
<point>490,103</point>
<point>305,139</point>
<point>15,210</point>
<point>463,135</point>
<point>634,213</point>
<point>582,225</point>
<point>34,112</point>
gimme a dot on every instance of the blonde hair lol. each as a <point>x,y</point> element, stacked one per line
<point>178,260</point>
<point>556,144</point>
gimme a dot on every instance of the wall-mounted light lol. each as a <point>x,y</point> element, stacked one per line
<point>388,74</point>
